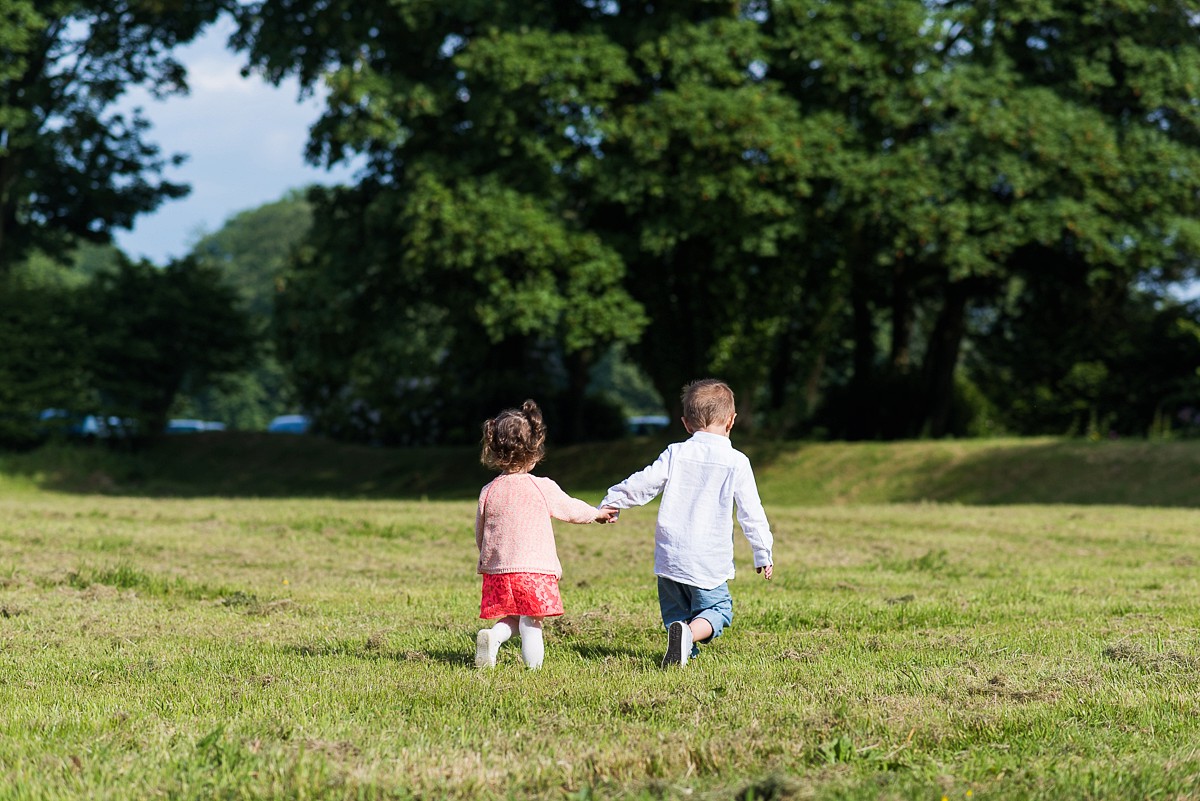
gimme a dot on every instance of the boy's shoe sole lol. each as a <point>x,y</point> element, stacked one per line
<point>485,657</point>
<point>679,644</point>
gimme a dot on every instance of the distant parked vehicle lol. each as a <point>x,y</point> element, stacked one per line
<point>85,426</point>
<point>290,424</point>
<point>186,426</point>
<point>647,424</point>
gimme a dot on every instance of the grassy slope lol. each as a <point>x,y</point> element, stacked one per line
<point>969,471</point>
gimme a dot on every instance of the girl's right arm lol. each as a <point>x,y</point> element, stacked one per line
<point>563,507</point>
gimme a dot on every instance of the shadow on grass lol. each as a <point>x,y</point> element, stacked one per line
<point>593,650</point>
<point>365,651</point>
<point>453,658</point>
<point>982,472</point>
<point>257,465</point>
<point>1125,472</point>
<point>252,465</point>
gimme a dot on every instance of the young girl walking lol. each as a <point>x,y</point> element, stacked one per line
<point>517,557</point>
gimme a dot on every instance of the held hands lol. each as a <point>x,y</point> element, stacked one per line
<point>765,570</point>
<point>608,514</point>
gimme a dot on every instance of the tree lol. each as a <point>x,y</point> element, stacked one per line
<point>774,179</point>
<point>1066,353</point>
<point>459,268</point>
<point>250,251</point>
<point>573,128</point>
<point>403,318</point>
<point>43,364</point>
<point>155,333</point>
<point>70,168</point>
<point>983,136</point>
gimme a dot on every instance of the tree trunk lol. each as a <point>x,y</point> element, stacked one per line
<point>942,358</point>
<point>864,327</point>
<point>674,348</point>
<point>574,421</point>
<point>902,319</point>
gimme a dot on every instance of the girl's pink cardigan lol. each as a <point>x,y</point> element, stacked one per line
<point>512,525</point>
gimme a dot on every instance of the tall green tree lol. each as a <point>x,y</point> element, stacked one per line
<point>71,168</point>
<point>251,251</point>
<point>44,359</point>
<point>615,140</point>
<point>459,268</point>
<point>810,197</point>
<point>990,137</point>
<point>155,333</point>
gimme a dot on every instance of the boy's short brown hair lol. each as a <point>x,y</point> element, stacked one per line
<point>707,401</point>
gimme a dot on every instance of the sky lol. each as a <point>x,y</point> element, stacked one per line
<point>244,139</point>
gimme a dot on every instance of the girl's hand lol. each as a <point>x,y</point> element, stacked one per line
<point>765,570</point>
<point>608,515</point>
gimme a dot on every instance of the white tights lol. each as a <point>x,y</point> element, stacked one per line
<point>533,649</point>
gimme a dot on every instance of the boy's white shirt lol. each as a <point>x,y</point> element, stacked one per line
<point>702,480</point>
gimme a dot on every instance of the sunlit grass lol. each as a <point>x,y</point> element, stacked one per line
<point>323,649</point>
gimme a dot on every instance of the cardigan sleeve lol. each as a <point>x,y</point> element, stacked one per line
<point>562,506</point>
<point>479,517</point>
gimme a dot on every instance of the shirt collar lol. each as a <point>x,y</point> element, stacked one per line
<point>711,439</point>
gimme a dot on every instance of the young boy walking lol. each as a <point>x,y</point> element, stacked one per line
<point>701,480</point>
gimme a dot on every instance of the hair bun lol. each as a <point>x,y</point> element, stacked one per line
<point>533,413</point>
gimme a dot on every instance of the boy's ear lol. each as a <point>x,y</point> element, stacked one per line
<point>729,425</point>
<point>686,425</point>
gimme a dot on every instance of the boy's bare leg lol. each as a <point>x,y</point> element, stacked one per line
<point>701,629</point>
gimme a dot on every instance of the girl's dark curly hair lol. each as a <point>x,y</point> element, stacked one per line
<point>514,439</point>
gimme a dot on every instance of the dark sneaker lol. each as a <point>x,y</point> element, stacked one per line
<point>679,644</point>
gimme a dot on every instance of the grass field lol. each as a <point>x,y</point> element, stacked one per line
<point>1000,471</point>
<point>322,649</point>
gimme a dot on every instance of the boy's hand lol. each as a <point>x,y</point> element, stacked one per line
<point>608,515</point>
<point>765,570</point>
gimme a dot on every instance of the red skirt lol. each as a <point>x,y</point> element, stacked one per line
<point>532,594</point>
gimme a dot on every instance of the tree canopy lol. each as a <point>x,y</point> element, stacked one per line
<point>827,203</point>
<point>72,168</point>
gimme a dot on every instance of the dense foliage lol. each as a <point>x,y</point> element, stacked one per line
<point>71,167</point>
<point>827,203</point>
<point>250,252</point>
<point>876,220</point>
<point>119,347</point>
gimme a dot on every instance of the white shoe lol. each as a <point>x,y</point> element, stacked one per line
<point>485,649</point>
<point>679,644</point>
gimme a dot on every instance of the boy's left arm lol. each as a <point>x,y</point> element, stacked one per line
<point>641,487</point>
<point>753,520</point>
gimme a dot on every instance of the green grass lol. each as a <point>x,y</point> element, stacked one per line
<point>322,649</point>
<point>1003,471</point>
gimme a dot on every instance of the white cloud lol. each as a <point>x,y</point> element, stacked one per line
<point>217,75</point>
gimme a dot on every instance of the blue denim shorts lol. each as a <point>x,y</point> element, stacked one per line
<point>685,602</point>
